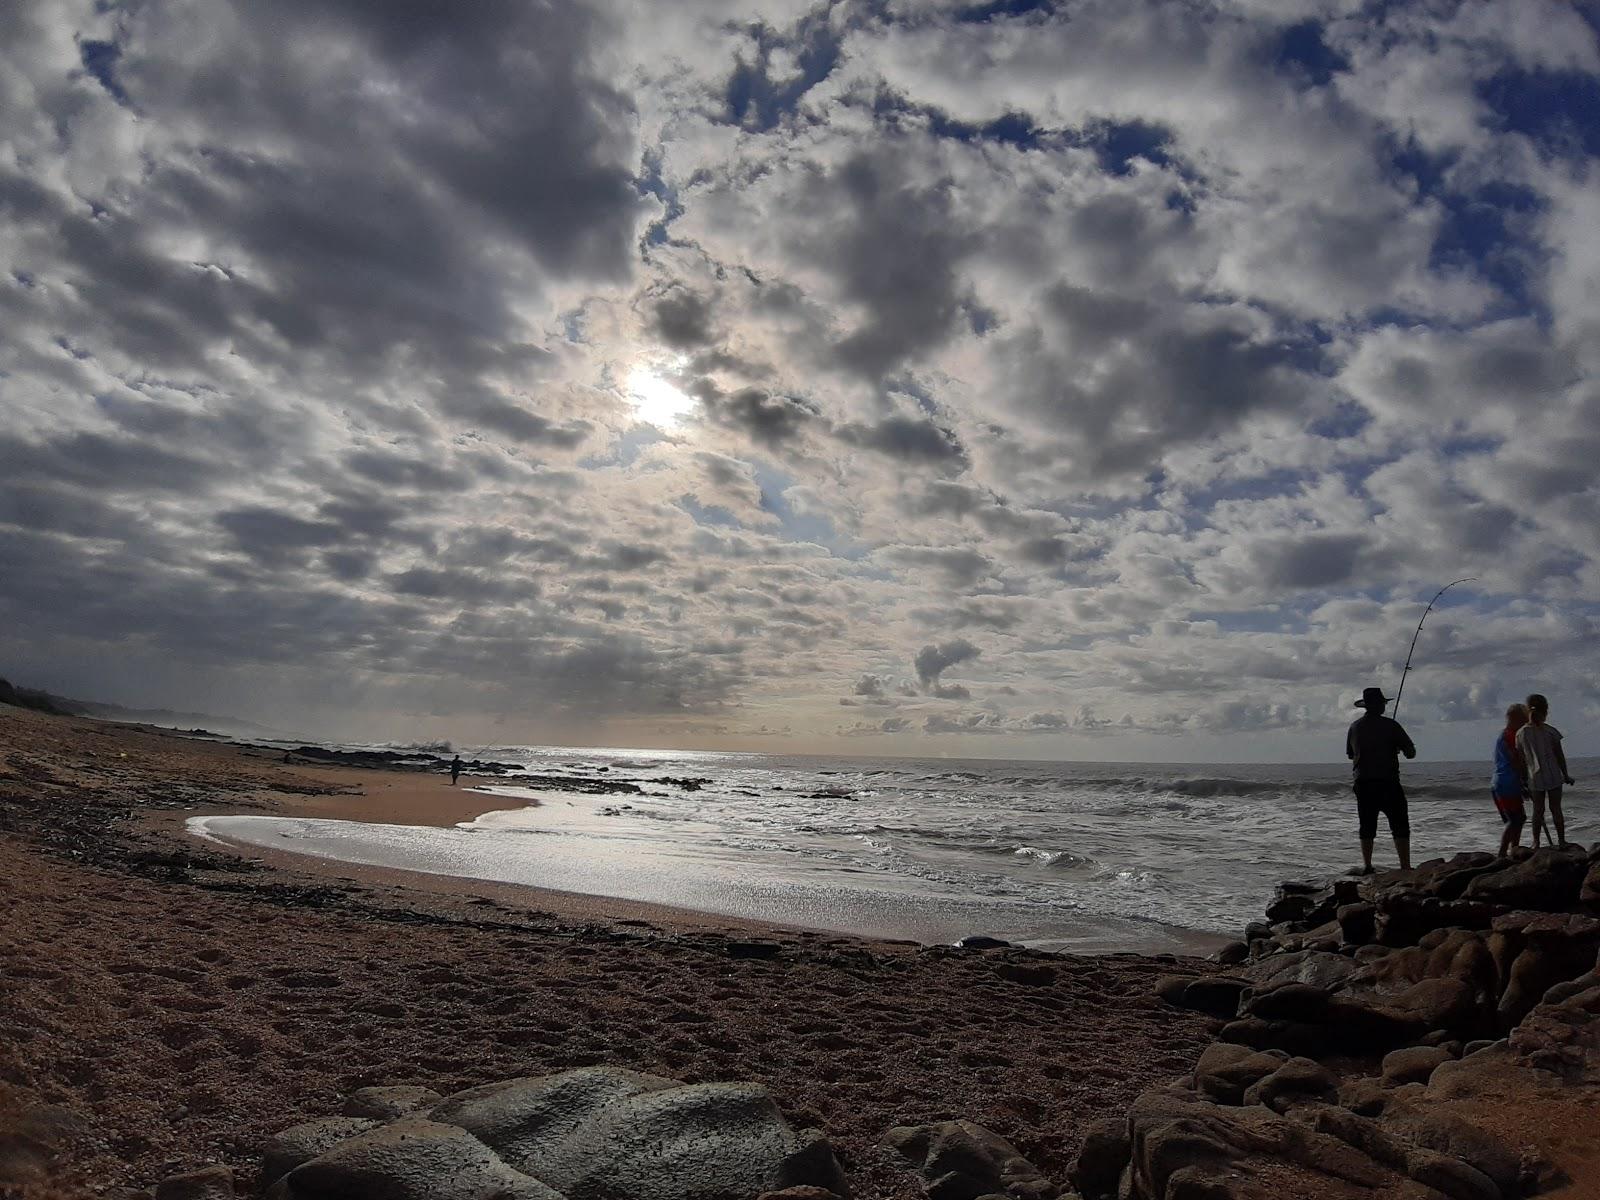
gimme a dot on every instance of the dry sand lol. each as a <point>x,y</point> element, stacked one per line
<point>178,1005</point>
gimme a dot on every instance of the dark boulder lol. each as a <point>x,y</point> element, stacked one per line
<point>1104,1153</point>
<point>1226,1070</point>
<point>1549,881</point>
<point>1413,1064</point>
<point>206,1183</point>
<point>1298,1081</point>
<point>959,1160</point>
<point>1358,923</point>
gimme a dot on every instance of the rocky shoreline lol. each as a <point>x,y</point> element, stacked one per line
<point>1367,1021</point>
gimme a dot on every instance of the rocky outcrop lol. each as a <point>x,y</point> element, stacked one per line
<point>1366,1012</point>
<point>958,1160</point>
<point>596,1132</point>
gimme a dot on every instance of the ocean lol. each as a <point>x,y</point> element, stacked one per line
<point>1083,857</point>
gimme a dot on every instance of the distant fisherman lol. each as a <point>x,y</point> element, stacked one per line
<point>455,769</point>
<point>1374,745</point>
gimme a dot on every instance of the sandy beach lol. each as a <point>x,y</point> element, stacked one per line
<point>172,1005</point>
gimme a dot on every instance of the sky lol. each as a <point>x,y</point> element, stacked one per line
<point>1104,379</point>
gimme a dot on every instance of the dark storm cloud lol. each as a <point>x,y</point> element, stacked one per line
<point>911,439</point>
<point>764,418</point>
<point>682,319</point>
<point>895,247</point>
<point>275,537</point>
<point>1309,560</point>
<point>932,661</point>
<point>1166,375</point>
<point>102,462</point>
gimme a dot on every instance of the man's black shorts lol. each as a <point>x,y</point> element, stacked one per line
<point>1386,796</point>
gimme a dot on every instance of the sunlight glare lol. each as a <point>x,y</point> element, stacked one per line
<point>656,401</point>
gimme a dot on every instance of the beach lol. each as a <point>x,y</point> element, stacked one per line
<point>171,1004</point>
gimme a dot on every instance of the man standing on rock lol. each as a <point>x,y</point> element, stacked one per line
<point>1374,746</point>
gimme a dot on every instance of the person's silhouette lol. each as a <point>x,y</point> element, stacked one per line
<point>455,769</point>
<point>1373,746</point>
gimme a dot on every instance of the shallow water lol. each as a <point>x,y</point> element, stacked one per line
<point>1072,856</point>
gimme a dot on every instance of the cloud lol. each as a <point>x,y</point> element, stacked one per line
<point>932,661</point>
<point>1183,351</point>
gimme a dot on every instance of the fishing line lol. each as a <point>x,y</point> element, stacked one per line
<point>1402,688</point>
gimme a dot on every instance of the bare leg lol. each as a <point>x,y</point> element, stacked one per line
<point>1538,817</point>
<point>1366,855</point>
<point>1402,847</point>
<point>1558,817</point>
<point>1505,841</point>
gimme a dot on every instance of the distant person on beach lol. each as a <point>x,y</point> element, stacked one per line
<point>1373,746</point>
<point>1509,782</point>
<point>455,769</point>
<point>1540,743</point>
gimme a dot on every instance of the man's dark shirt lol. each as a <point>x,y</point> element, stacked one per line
<point>1374,744</point>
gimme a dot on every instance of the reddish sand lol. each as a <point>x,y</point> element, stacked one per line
<point>177,1009</point>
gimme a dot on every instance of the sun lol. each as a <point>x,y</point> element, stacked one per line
<point>655,400</point>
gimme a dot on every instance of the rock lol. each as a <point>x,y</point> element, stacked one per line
<point>1232,954</point>
<point>1406,916</point>
<point>1214,995</point>
<point>982,941</point>
<point>207,1183</point>
<point>1288,906</point>
<point>1364,1096</point>
<point>1454,1178</point>
<point>1183,1147</point>
<point>1413,1064</point>
<point>1549,881</point>
<point>301,1143</point>
<point>959,1160</point>
<point>1298,1081</point>
<point>1360,1132</point>
<point>1104,1153</point>
<point>1315,967</point>
<point>32,1137</point>
<point>1291,1036</point>
<point>1358,923</point>
<point>803,1191</point>
<point>1226,1070</point>
<point>1456,1138</point>
<point>1171,988</point>
<point>603,1131</point>
<point>1448,878</point>
<point>409,1159</point>
<point>1589,891</point>
<point>388,1103</point>
<point>1303,1002</point>
<point>1474,1046</point>
<point>595,1132</point>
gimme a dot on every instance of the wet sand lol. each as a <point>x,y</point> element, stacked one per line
<point>176,1005</point>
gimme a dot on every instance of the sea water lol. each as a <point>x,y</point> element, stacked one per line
<point>1068,856</point>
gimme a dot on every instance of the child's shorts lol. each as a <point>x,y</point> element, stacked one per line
<point>1511,809</point>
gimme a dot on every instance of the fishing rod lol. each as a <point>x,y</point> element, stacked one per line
<point>1402,688</point>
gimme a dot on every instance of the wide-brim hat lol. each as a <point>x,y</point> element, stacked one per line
<point>1372,697</point>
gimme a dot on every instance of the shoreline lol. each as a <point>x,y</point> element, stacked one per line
<point>425,800</point>
<point>174,1006</point>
